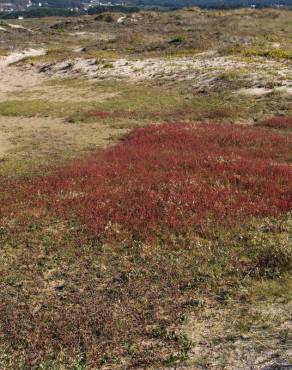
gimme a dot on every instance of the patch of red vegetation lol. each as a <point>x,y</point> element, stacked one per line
<point>100,114</point>
<point>282,123</point>
<point>170,179</point>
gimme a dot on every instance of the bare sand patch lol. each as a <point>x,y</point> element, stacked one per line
<point>201,71</point>
<point>142,69</point>
<point>284,89</point>
<point>18,56</point>
<point>13,79</point>
<point>255,91</point>
<point>255,349</point>
<point>261,91</point>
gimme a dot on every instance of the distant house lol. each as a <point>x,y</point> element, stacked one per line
<point>7,7</point>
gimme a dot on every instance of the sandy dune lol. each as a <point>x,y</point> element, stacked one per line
<point>18,56</point>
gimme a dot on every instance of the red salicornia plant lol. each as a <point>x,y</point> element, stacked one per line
<point>282,123</point>
<point>169,179</point>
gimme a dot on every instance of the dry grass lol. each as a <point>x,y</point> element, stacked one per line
<point>31,144</point>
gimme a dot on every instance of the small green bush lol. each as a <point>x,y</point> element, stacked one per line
<point>177,40</point>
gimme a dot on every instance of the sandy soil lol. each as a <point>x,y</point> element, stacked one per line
<point>20,55</point>
<point>201,70</point>
<point>142,69</point>
<point>256,349</point>
<point>255,91</point>
<point>5,145</point>
<point>41,137</point>
<point>16,84</point>
<point>32,88</point>
<point>261,91</point>
<point>13,79</point>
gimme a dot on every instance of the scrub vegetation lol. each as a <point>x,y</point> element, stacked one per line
<point>145,191</point>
